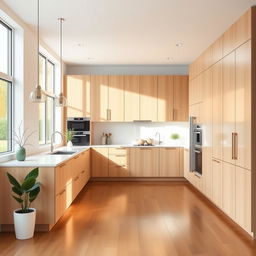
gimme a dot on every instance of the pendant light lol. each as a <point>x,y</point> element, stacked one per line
<point>37,95</point>
<point>61,101</point>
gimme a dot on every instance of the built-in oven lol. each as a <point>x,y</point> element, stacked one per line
<point>198,135</point>
<point>80,126</point>
<point>198,160</point>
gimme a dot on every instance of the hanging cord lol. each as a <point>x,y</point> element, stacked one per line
<point>61,52</point>
<point>38,19</point>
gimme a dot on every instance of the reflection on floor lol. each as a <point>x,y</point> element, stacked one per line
<point>137,218</point>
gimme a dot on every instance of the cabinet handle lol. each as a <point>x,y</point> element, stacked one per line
<point>62,165</point>
<point>121,166</point>
<point>174,114</point>
<point>76,178</point>
<point>108,114</point>
<point>148,148</point>
<point>120,155</point>
<point>75,157</point>
<point>235,145</point>
<point>83,171</point>
<point>214,160</point>
<point>64,190</point>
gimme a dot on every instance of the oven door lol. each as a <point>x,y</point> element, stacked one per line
<point>198,160</point>
<point>81,140</point>
<point>79,125</point>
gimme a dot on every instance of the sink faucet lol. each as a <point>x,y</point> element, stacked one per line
<point>159,141</point>
<point>62,137</point>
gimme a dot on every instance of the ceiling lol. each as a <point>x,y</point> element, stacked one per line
<point>132,31</point>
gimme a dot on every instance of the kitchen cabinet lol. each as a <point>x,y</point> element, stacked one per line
<point>119,162</point>
<point>60,204</point>
<point>243,106</point>
<point>195,90</point>
<point>99,98</point>
<point>77,91</point>
<point>144,162</point>
<point>228,189</point>
<point>217,50</point>
<point>169,160</point>
<point>187,173</point>
<point>148,98</point>
<point>165,101</point>
<point>217,182</point>
<point>99,158</point>
<point>195,111</point>
<point>243,198</point>
<point>228,110</point>
<point>180,99</point>
<point>217,110</point>
<point>131,98</point>
<point>116,98</point>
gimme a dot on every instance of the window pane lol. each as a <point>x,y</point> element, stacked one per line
<point>5,46</point>
<point>5,117</point>
<point>49,119</point>
<point>41,123</point>
<point>42,71</point>
<point>50,77</point>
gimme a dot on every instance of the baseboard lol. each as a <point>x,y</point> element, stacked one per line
<point>139,179</point>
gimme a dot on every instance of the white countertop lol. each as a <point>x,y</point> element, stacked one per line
<point>47,160</point>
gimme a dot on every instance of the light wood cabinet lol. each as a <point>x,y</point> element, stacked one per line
<point>217,182</point>
<point>217,110</point>
<point>169,160</point>
<point>243,105</point>
<point>119,162</point>
<point>217,50</point>
<point>60,204</point>
<point>148,98</point>
<point>131,98</point>
<point>77,91</point>
<point>243,198</point>
<point>99,98</point>
<point>180,99</point>
<point>116,98</point>
<point>144,162</point>
<point>187,173</point>
<point>99,158</point>
<point>165,100</point>
<point>228,189</point>
<point>196,111</point>
<point>228,107</point>
<point>195,90</point>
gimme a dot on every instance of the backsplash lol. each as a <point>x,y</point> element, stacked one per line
<point>128,133</point>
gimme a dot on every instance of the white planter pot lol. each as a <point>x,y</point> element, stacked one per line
<point>69,146</point>
<point>24,224</point>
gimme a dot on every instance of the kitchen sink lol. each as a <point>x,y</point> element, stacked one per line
<point>63,153</point>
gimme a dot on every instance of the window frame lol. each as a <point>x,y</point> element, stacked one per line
<point>46,59</point>
<point>8,78</point>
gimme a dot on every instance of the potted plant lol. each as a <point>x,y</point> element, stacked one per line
<point>175,137</point>
<point>25,194</point>
<point>21,139</point>
<point>69,136</point>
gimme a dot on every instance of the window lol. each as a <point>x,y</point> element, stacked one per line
<point>47,109</point>
<point>6,90</point>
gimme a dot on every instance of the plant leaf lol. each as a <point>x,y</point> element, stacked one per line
<point>13,181</point>
<point>31,199</point>
<point>34,188</point>
<point>19,200</point>
<point>28,183</point>
<point>33,173</point>
<point>17,191</point>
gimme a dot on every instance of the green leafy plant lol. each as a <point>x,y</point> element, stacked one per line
<point>27,191</point>
<point>69,135</point>
<point>175,136</point>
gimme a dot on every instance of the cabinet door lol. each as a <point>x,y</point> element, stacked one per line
<point>195,111</point>
<point>144,162</point>
<point>169,161</point>
<point>243,106</point>
<point>148,98</point>
<point>228,189</point>
<point>78,95</point>
<point>187,173</point>
<point>119,162</point>
<point>180,99</point>
<point>243,198</point>
<point>60,204</point>
<point>99,98</point>
<point>131,98</point>
<point>100,162</point>
<point>116,98</point>
<point>217,182</point>
<point>228,107</point>
<point>217,110</point>
<point>165,98</point>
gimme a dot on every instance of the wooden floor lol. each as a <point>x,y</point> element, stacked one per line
<point>137,218</point>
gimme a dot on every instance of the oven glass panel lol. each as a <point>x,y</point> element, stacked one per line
<point>198,161</point>
<point>79,126</point>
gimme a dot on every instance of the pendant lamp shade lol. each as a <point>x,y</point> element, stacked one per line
<point>61,100</point>
<point>37,95</point>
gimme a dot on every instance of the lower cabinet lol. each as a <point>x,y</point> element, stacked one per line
<point>99,162</point>
<point>217,182</point>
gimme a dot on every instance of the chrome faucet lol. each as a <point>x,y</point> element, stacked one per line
<point>62,137</point>
<point>159,139</point>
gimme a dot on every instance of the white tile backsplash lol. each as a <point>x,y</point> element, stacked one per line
<point>128,133</point>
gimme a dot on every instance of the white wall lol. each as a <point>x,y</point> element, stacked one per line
<point>25,74</point>
<point>128,133</point>
<point>127,69</point>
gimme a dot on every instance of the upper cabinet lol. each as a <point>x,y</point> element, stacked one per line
<point>99,98</point>
<point>165,101</point>
<point>131,98</point>
<point>77,91</point>
<point>116,98</point>
<point>148,98</point>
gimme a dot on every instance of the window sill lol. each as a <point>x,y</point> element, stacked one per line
<point>7,157</point>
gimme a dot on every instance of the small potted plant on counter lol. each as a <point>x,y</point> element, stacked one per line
<point>25,194</point>
<point>69,136</point>
<point>175,137</point>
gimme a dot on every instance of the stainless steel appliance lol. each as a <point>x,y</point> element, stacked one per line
<point>81,128</point>
<point>195,146</point>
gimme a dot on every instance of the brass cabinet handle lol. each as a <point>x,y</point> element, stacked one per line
<point>83,171</point>
<point>108,114</point>
<point>214,160</point>
<point>122,166</point>
<point>120,155</point>
<point>62,165</point>
<point>64,190</point>
<point>76,178</point>
<point>235,145</point>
